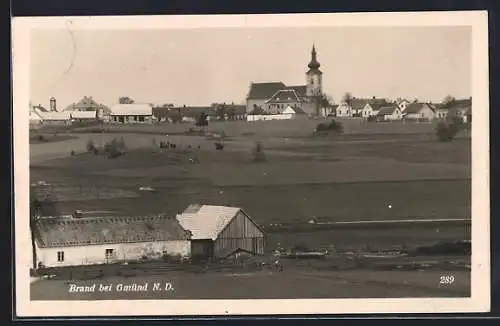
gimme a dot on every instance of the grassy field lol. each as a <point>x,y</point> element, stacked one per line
<point>373,171</point>
<point>354,176</point>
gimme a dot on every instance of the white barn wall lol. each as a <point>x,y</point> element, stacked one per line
<point>96,254</point>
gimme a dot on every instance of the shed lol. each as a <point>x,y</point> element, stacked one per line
<point>218,231</point>
<point>132,113</point>
<point>56,118</point>
<point>84,115</point>
<point>99,240</point>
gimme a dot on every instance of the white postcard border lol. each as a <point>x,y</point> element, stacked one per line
<point>480,282</point>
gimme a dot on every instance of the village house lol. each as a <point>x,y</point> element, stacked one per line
<point>88,104</point>
<point>460,108</point>
<point>132,113</point>
<point>89,241</point>
<point>360,107</point>
<point>402,103</point>
<point>419,112</point>
<point>389,113</point>
<point>54,118</point>
<point>85,116</point>
<point>276,95</point>
<point>220,231</point>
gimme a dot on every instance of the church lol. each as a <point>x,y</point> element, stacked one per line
<point>274,97</point>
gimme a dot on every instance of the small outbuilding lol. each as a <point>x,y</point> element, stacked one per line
<point>220,231</point>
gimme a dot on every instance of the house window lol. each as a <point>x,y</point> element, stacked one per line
<point>141,118</point>
<point>60,256</point>
<point>109,253</point>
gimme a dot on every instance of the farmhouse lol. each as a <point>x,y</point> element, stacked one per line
<point>275,95</point>
<point>389,113</point>
<point>419,112</point>
<point>460,108</point>
<point>84,116</point>
<point>402,104</point>
<point>219,231</point>
<point>361,107</point>
<point>87,241</point>
<point>88,104</point>
<point>132,113</point>
<point>54,118</point>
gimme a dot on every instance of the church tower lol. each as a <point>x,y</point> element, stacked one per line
<point>314,76</point>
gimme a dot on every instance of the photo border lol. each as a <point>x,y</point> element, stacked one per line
<point>480,233</point>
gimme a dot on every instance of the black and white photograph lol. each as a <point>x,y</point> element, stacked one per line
<point>338,160</point>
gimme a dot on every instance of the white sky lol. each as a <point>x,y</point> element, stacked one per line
<point>201,66</point>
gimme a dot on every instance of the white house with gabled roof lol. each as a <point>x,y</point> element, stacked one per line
<point>132,113</point>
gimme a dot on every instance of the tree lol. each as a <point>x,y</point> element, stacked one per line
<point>175,115</point>
<point>41,203</point>
<point>202,120</point>
<point>448,101</point>
<point>347,99</point>
<point>125,100</point>
<point>220,111</point>
<point>35,212</point>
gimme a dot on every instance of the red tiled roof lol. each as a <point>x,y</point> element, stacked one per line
<point>58,232</point>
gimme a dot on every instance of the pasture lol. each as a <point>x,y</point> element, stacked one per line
<point>353,176</point>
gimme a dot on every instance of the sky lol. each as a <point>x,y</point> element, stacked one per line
<point>202,66</point>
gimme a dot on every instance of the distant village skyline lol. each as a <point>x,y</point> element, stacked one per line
<point>202,66</point>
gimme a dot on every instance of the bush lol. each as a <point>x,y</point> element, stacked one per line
<point>90,145</point>
<point>219,146</point>
<point>115,148</point>
<point>334,126</point>
<point>446,131</point>
<point>258,154</point>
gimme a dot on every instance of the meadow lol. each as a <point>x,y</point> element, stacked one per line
<point>373,171</point>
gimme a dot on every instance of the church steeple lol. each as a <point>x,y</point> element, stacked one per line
<point>313,64</point>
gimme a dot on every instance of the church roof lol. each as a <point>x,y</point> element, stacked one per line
<point>284,96</point>
<point>264,90</point>
<point>301,90</point>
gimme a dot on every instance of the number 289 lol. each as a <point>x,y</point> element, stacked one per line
<point>446,279</point>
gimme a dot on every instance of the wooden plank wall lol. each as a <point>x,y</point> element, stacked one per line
<point>241,233</point>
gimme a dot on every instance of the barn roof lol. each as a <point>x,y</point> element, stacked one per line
<point>84,114</point>
<point>58,232</point>
<point>132,109</point>
<point>264,90</point>
<point>55,116</point>
<point>416,107</point>
<point>207,221</point>
<point>35,115</point>
<point>386,110</point>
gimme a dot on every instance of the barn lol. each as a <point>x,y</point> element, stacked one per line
<point>84,116</point>
<point>220,231</point>
<point>75,241</point>
<point>54,118</point>
<point>132,113</point>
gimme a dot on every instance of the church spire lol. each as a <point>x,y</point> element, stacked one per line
<point>313,64</point>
